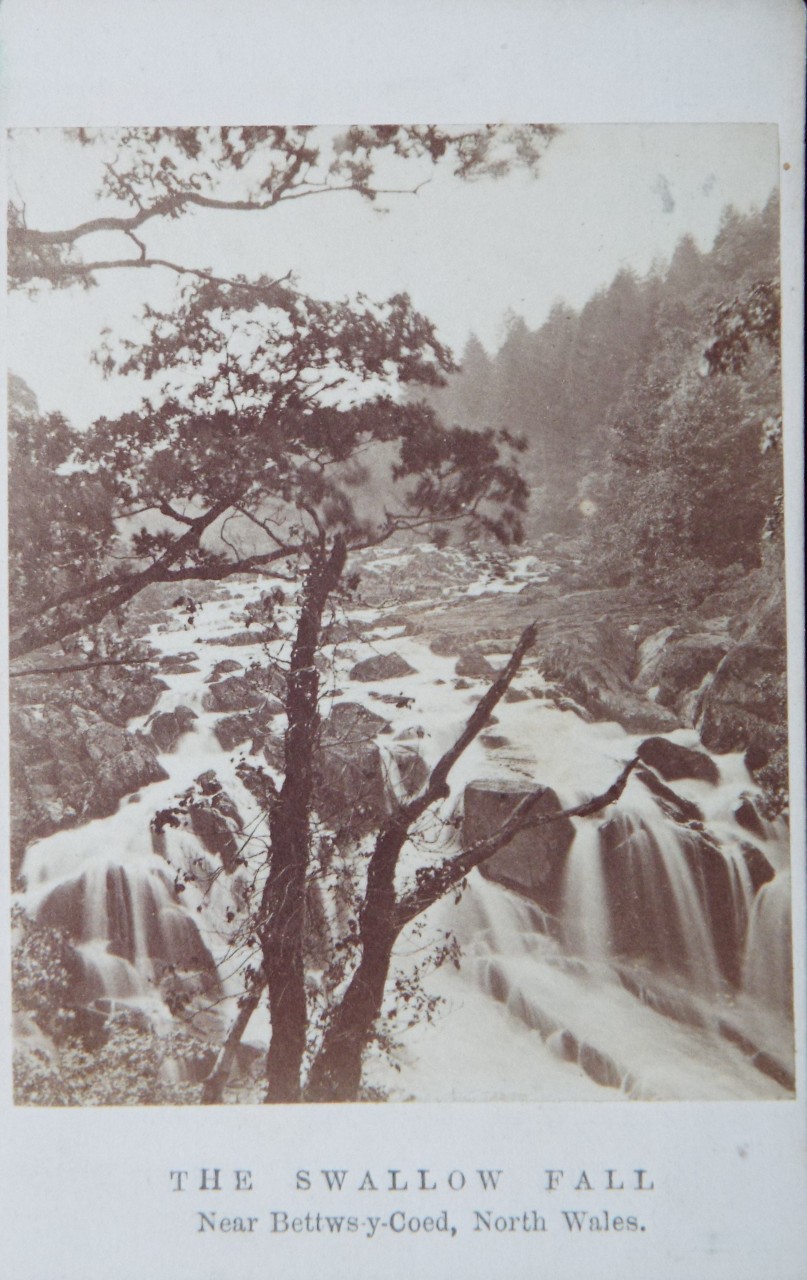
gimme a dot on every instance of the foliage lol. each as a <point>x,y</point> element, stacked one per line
<point>41,972</point>
<point>154,174</point>
<point>133,1067</point>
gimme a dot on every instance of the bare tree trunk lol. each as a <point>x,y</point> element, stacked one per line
<point>336,1070</point>
<point>282,927</point>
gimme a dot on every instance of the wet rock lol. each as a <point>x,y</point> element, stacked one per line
<point>383,666</point>
<point>747,815</point>
<point>602,1069</point>
<point>673,761</point>
<point>494,741</point>
<point>675,806</point>
<point>231,731</point>
<point>139,915</point>
<point>645,918</point>
<point>167,727</point>
<point>350,787</point>
<point>116,693</point>
<point>533,861</point>
<point>412,768</point>
<point>173,662</point>
<point>235,693</point>
<point>339,632</point>
<point>516,695</point>
<point>260,635</point>
<point>565,1045</point>
<point>69,765</point>
<point>474,666</point>
<point>215,833</point>
<point>243,693</point>
<point>736,1037</point>
<point>676,664</point>
<point>759,868</point>
<point>669,1005</point>
<point>216,821</point>
<point>223,668</point>
<point>770,1066</point>
<point>399,700</point>
<point>350,720</point>
<point>350,793</point>
<point>745,706</point>
<point>412,733</point>
<point>250,726</point>
<point>592,665</point>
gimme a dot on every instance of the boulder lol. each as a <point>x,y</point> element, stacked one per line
<point>533,861</point>
<point>474,666</point>
<point>759,868</point>
<point>167,727</point>
<point>224,668</point>
<point>173,662</point>
<point>247,726</point>
<point>116,693</point>
<point>231,731</point>
<point>350,721</point>
<point>260,635</point>
<point>383,666</point>
<point>350,791</point>
<point>592,665</point>
<point>235,693</point>
<point>350,786</point>
<point>673,761</point>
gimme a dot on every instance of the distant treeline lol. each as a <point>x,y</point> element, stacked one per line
<point>651,416</point>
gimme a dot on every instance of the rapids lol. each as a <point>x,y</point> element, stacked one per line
<point>662,972</point>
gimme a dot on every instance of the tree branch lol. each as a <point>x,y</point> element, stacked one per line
<point>434,882</point>
<point>79,666</point>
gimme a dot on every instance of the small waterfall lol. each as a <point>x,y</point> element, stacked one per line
<point>768,967</point>
<point>586,914</point>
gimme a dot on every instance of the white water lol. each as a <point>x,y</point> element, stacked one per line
<point>541,1007</point>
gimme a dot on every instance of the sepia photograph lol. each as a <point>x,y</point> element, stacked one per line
<point>398,660</point>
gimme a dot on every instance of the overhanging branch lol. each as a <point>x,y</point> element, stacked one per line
<point>435,882</point>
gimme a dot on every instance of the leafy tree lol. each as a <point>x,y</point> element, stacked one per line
<point>693,478</point>
<point>264,404</point>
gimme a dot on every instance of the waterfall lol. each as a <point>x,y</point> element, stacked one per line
<point>657,967</point>
<point>586,914</point>
<point>768,968</point>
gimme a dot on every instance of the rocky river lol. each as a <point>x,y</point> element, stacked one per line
<point>642,952</point>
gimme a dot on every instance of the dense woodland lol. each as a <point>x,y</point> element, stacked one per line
<point>670,475</point>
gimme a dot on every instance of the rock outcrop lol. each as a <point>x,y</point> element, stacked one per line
<point>69,765</point>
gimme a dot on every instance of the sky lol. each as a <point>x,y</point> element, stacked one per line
<point>606,197</point>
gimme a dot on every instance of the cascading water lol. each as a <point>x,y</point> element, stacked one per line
<point>661,969</point>
<point>656,980</point>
